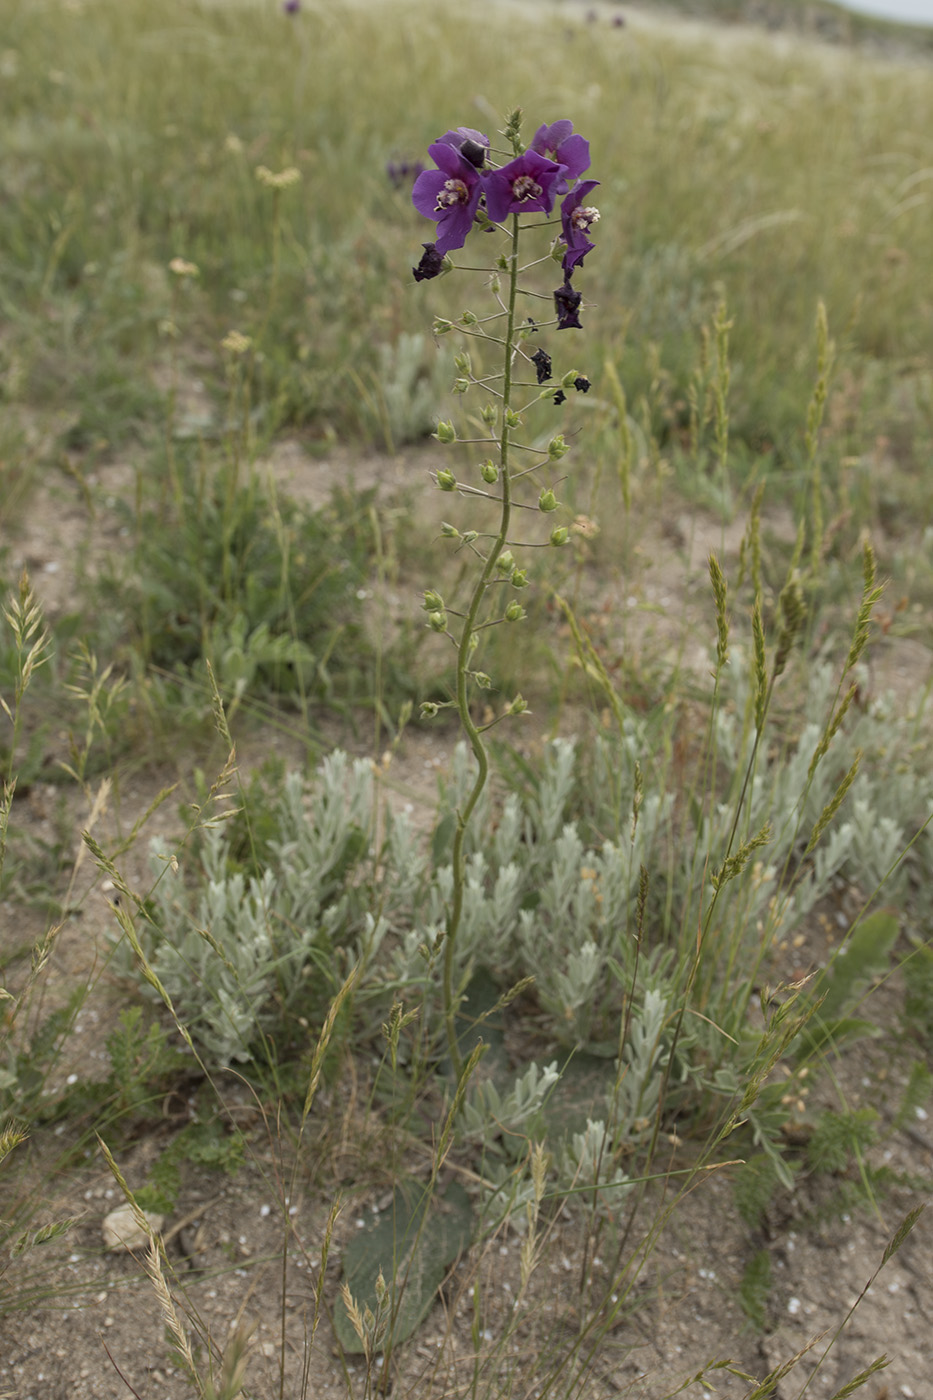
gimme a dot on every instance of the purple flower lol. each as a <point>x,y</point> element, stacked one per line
<point>559,143</point>
<point>525,186</point>
<point>471,144</point>
<point>432,263</point>
<point>402,172</point>
<point>576,219</point>
<point>450,195</point>
<point>291,7</point>
<point>567,304</point>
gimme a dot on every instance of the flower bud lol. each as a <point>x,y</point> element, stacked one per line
<point>449,532</point>
<point>495,284</point>
<point>482,680</point>
<point>512,419</point>
<point>518,706</point>
<point>446,480</point>
<point>442,326</point>
<point>519,578</point>
<point>490,473</point>
<point>489,414</point>
<point>514,612</point>
<point>470,536</point>
<point>506,561</point>
<point>437,621</point>
<point>460,386</point>
<point>547,500</point>
<point>463,363</point>
<point>446,432</point>
<point>428,709</point>
<point>433,602</point>
<point>560,535</point>
<point>556,448</point>
<point>468,319</point>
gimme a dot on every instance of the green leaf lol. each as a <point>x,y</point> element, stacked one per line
<point>412,1250</point>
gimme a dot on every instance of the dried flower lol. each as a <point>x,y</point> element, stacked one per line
<point>181,268</point>
<point>567,303</point>
<point>542,363</point>
<point>431,264</point>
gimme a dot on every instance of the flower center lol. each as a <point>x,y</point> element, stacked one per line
<point>454,192</point>
<point>582,218</point>
<point>525,187</point>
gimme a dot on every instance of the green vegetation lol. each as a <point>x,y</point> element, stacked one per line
<point>694,873</point>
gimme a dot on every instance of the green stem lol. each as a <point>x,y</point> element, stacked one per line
<point>464,653</point>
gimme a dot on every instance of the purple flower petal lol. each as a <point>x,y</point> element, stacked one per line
<point>450,195</point>
<point>471,144</point>
<point>558,143</point>
<point>576,219</point>
<point>525,186</point>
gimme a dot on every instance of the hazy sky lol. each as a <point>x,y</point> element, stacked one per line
<point>920,11</point>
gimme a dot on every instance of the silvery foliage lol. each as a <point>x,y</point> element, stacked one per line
<point>410,391</point>
<point>233,952</point>
<point>538,902</point>
<point>889,799</point>
<point>589,1160</point>
<point>503,1123</point>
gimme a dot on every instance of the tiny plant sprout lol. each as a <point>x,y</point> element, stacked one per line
<point>514,201</point>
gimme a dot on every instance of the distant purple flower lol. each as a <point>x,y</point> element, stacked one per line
<point>402,172</point>
<point>432,263</point>
<point>559,143</point>
<point>449,194</point>
<point>525,186</point>
<point>567,304</point>
<point>471,144</point>
<point>291,7</point>
<point>576,219</point>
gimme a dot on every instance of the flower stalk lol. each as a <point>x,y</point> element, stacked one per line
<point>466,191</point>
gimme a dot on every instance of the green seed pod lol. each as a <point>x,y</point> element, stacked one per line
<point>547,500</point>
<point>433,602</point>
<point>505,562</point>
<point>489,414</point>
<point>514,612</point>
<point>560,535</point>
<point>446,480</point>
<point>490,473</point>
<point>556,448</point>
<point>519,578</point>
<point>437,621</point>
<point>446,432</point>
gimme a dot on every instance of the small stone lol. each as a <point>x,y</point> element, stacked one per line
<point>120,1230</point>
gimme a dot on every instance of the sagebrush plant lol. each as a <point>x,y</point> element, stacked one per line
<point>328,918</point>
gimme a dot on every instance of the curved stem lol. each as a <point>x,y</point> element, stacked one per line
<point>464,653</point>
